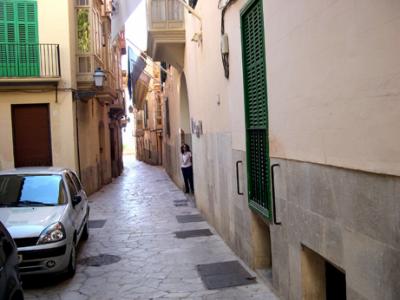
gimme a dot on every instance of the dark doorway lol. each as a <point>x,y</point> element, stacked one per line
<point>335,283</point>
<point>320,278</point>
<point>31,135</point>
<point>102,151</point>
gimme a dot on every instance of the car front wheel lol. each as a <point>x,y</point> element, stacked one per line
<point>71,269</point>
<point>85,232</point>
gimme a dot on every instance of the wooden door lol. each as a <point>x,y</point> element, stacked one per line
<point>31,134</point>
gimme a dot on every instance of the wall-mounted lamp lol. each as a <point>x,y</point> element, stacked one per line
<point>197,37</point>
<point>99,76</point>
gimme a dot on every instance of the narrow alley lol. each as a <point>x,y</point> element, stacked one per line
<point>135,253</point>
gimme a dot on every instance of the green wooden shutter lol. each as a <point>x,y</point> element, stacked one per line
<point>28,38</point>
<point>8,60</point>
<point>3,35</point>
<point>19,48</point>
<point>256,107</point>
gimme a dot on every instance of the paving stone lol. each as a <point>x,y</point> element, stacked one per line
<point>153,263</point>
<point>224,274</point>
<point>99,260</point>
<point>96,223</point>
<point>189,218</point>
<point>192,233</point>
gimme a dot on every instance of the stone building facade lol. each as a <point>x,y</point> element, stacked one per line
<point>50,110</point>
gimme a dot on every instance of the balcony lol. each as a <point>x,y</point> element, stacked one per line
<point>166,31</point>
<point>86,66</point>
<point>29,63</point>
<point>117,106</point>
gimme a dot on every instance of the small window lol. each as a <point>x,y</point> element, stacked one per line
<point>158,11</point>
<point>76,181</point>
<point>84,64</point>
<point>62,197</point>
<point>82,2</point>
<point>71,186</point>
<point>83,27</point>
<point>175,10</point>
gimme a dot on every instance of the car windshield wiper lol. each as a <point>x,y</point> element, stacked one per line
<point>8,204</point>
<point>36,203</point>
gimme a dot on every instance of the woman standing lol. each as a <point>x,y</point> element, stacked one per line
<point>186,166</point>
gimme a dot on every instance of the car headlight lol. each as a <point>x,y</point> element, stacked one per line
<point>52,233</point>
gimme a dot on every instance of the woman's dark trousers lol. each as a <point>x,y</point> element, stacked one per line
<point>188,178</point>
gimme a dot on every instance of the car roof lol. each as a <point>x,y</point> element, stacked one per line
<point>35,170</point>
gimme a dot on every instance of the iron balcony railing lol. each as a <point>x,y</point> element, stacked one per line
<point>29,60</point>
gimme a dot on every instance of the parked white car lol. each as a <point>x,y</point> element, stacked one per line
<point>46,212</point>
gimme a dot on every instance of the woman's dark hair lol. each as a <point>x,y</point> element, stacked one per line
<point>187,148</point>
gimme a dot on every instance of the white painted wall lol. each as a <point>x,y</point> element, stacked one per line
<point>334,83</point>
<point>332,75</point>
<point>204,73</point>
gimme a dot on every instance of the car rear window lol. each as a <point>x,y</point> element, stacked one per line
<point>31,190</point>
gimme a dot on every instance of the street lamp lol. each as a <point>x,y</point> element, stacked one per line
<point>99,77</point>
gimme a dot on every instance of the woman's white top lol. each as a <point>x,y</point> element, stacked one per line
<point>186,159</point>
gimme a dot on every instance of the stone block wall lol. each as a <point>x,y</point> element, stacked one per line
<point>226,209</point>
<point>350,218</point>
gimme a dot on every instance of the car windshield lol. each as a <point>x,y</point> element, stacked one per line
<point>31,190</point>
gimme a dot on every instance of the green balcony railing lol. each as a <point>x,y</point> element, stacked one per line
<point>29,60</point>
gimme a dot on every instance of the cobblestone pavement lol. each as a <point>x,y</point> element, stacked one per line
<point>147,261</point>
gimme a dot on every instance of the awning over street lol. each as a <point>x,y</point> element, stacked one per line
<point>136,65</point>
<point>140,90</point>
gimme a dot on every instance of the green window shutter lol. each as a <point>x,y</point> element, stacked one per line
<point>19,48</point>
<point>3,34</point>
<point>256,108</point>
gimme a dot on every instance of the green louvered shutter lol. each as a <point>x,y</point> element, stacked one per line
<point>8,56</point>
<point>19,48</point>
<point>256,107</point>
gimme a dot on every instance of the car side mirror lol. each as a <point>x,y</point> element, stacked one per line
<point>76,200</point>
